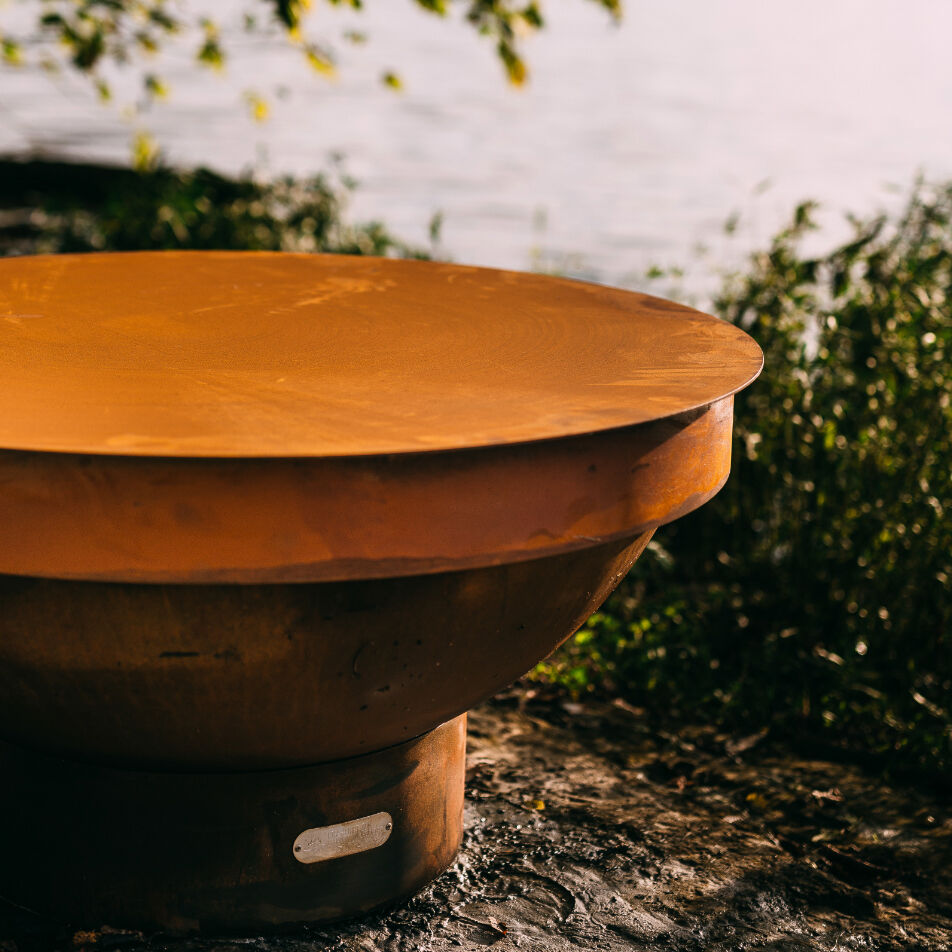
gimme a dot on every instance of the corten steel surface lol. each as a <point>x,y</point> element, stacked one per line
<point>214,852</point>
<point>262,676</point>
<point>265,511</point>
<point>257,354</point>
<point>261,417</point>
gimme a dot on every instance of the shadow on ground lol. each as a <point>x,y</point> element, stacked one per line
<point>587,830</point>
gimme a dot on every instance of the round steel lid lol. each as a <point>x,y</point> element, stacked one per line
<point>249,417</point>
<point>277,355</point>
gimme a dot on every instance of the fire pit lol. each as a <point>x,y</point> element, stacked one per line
<point>270,524</point>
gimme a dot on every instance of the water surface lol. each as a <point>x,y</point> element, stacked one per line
<point>631,146</point>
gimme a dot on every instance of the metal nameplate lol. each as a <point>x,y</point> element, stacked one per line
<point>343,839</point>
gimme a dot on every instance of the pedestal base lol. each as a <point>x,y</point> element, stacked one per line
<point>228,853</point>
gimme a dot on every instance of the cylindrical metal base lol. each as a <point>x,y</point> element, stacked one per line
<point>228,852</point>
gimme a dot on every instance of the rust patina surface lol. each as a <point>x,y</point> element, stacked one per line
<point>258,354</point>
<point>242,677</point>
<point>268,517</point>
<point>263,417</point>
<point>172,851</point>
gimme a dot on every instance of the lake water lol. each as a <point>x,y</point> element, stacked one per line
<point>631,146</point>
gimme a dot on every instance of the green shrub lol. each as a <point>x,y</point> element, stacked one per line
<point>58,207</point>
<point>814,591</point>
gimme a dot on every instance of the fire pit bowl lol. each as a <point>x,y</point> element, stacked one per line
<point>270,524</point>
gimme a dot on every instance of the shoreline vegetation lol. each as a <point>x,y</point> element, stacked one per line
<point>812,598</point>
<point>49,206</point>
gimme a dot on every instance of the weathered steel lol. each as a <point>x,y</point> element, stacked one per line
<point>274,418</point>
<point>239,677</point>
<point>282,520</point>
<point>275,355</point>
<point>214,852</point>
<point>260,512</point>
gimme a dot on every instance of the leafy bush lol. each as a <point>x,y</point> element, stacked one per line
<point>816,590</point>
<point>55,207</point>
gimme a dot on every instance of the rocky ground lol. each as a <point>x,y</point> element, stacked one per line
<point>587,830</point>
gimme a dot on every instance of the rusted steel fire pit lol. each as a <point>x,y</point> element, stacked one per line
<point>270,524</point>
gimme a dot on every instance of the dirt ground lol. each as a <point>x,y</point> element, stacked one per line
<point>587,830</point>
